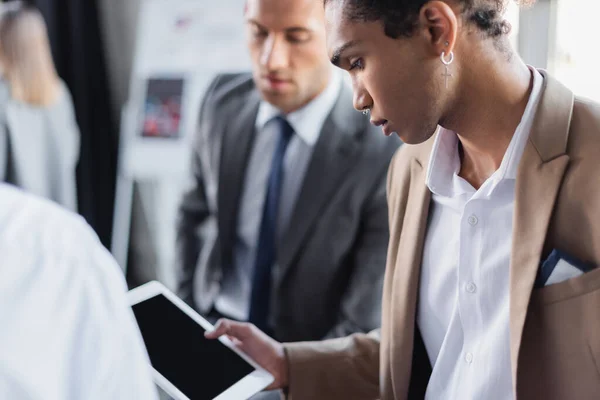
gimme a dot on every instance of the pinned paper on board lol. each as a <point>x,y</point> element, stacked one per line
<point>162,108</point>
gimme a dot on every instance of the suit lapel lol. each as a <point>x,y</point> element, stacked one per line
<point>405,287</point>
<point>239,135</point>
<point>329,165</point>
<point>538,182</point>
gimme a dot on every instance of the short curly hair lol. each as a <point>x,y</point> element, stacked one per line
<point>399,17</point>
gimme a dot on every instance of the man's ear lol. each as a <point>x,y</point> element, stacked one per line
<point>439,25</point>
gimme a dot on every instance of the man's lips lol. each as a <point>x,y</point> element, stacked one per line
<point>385,126</point>
<point>276,81</point>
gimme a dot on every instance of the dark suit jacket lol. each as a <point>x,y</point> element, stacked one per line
<point>332,257</point>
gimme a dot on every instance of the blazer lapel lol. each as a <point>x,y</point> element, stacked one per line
<point>538,182</point>
<point>405,280</point>
<point>330,164</point>
<point>239,135</point>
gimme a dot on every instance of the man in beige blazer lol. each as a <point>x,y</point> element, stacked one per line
<point>492,289</point>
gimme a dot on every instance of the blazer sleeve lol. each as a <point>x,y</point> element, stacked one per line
<point>193,209</point>
<point>343,368</point>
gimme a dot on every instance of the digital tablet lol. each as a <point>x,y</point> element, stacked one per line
<point>187,365</point>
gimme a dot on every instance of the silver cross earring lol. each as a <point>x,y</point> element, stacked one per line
<point>446,63</point>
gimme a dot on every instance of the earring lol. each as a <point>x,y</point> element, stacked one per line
<point>446,63</point>
<point>365,111</point>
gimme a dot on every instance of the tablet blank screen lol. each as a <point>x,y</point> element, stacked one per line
<point>198,367</point>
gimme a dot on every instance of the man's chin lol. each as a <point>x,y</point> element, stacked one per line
<point>277,98</point>
<point>411,138</point>
<point>275,92</point>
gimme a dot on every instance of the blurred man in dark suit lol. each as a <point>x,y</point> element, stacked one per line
<point>285,224</point>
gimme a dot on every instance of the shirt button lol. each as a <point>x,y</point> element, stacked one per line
<point>469,358</point>
<point>473,220</point>
<point>471,288</point>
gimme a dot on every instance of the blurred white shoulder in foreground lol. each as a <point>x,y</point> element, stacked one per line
<point>67,331</point>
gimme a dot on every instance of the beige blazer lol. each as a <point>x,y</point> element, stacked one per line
<point>554,331</point>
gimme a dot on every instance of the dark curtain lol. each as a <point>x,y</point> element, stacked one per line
<point>78,50</point>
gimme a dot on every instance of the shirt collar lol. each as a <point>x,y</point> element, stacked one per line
<point>444,164</point>
<point>308,120</point>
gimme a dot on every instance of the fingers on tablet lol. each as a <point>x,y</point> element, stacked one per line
<point>235,341</point>
<point>237,330</point>
<point>221,328</point>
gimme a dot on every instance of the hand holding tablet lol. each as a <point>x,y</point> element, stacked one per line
<point>264,350</point>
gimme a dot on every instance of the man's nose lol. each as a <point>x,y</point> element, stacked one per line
<point>361,99</point>
<point>275,54</point>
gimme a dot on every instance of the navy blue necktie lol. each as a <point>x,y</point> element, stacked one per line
<point>265,251</point>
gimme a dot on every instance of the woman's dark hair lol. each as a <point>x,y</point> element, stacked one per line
<point>399,17</point>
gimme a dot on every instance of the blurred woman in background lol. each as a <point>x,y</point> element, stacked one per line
<point>39,137</point>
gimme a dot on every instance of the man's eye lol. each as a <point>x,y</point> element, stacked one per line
<point>358,64</point>
<point>259,33</point>
<point>298,37</point>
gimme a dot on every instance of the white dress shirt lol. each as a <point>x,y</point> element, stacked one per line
<point>67,331</point>
<point>236,288</point>
<point>463,310</point>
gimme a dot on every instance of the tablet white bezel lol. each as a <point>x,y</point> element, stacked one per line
<point>244,388</point>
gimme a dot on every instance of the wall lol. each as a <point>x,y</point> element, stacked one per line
<point>151,252</point>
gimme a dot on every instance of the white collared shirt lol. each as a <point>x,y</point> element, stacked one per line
<point>234,299</point>
<point>463,308</point>
<point>66,329</point>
